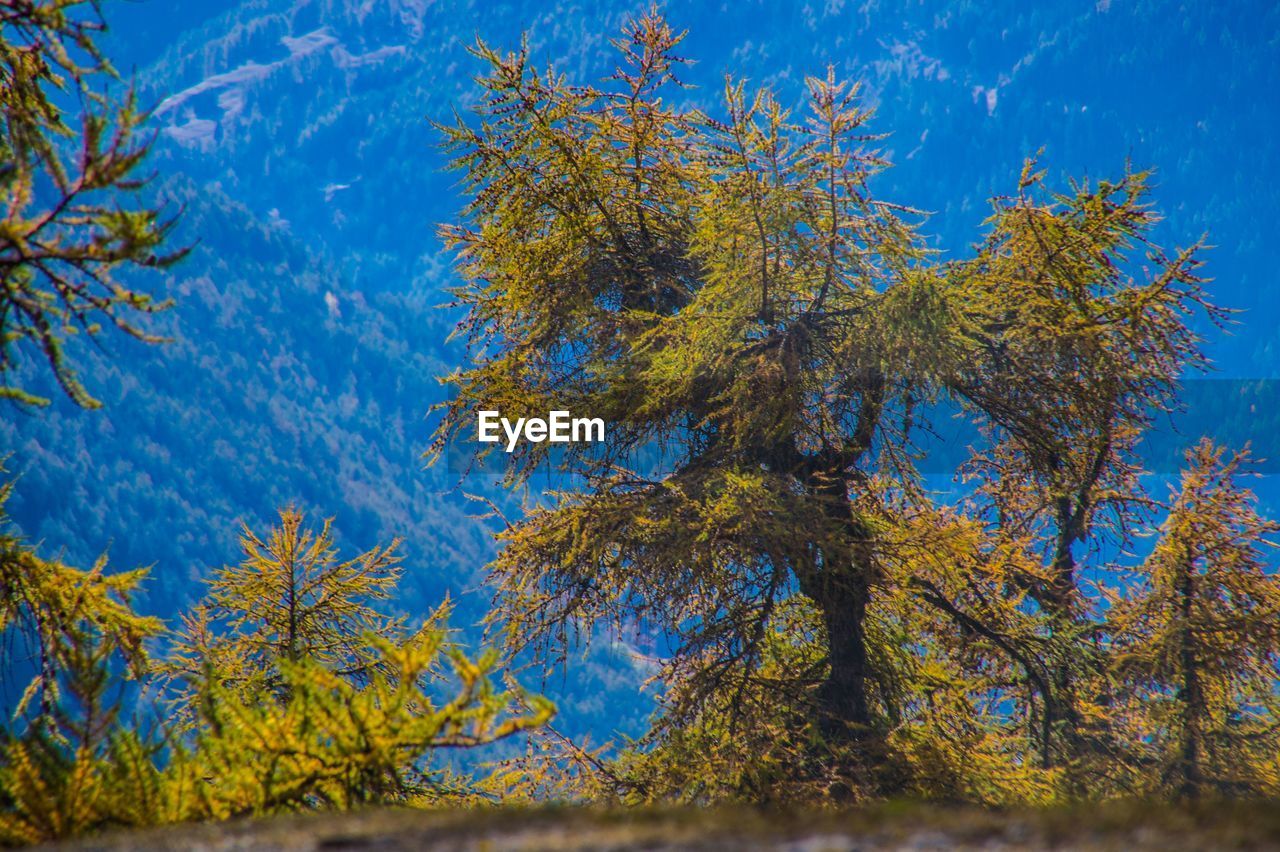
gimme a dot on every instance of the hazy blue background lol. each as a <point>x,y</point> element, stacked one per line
<point>296,133</point>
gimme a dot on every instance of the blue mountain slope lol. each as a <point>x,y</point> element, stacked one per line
<point>278,387</point>
<point>297,134</point>
<point>319,110</point>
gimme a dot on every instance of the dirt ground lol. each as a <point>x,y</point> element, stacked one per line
<point>890,827</point>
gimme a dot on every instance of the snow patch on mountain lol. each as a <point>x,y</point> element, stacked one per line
<point>233,86</point>
<point>198,133</point>
<point>309,43</point>
<point>245,74</point>
<point>344,59</point>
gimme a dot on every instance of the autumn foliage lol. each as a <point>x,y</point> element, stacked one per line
<point>771,345</point>
<point>725,289</point>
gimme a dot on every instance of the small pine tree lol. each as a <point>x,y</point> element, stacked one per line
<point>77,768</point>
<point>52,609</point>
<point>67,765</point>
<point>290,599</point>
<point>297,692</point>
<point>333,745</point>
<point>1200,641</point>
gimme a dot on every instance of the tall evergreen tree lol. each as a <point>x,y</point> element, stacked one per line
<point>726,292</point>
<point>1074,353</point>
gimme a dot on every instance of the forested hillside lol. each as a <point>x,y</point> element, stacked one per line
<point>280,385</point>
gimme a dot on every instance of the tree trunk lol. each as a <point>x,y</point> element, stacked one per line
<point>1190,694</point>
<point>842,699</point>
<point>1058,600</point>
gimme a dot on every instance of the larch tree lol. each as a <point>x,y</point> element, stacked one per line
<point>56,612</point>
<point>765,339</point>
<point>70,219</point>
<point>297,692</point>
<point>293,693</point>
<point>1074,351</point>
<point>66,756</point>
<point>1199,639</point>
<point>290,599</point>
